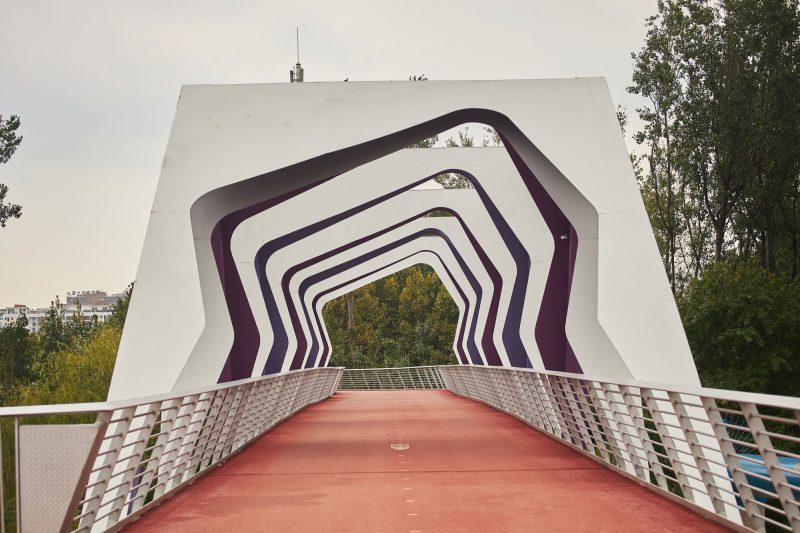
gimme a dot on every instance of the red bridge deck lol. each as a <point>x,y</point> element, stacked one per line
<point>467,467</point>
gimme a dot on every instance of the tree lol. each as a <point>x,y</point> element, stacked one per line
<point>9,141</point>
<point>452,180</point>
<point>743,325</point>
<point>119,311</point>
<point>54,333</point>
<point>404,319</point>
<point>721,170</point>
<point>491,137</point>
<point>17,350</point>
<point>82,374</point>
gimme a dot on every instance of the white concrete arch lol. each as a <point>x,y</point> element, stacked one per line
<point>449,228</point>
<point>384,215</point>
<point>233,149</point>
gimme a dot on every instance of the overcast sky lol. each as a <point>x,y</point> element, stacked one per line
<point>96,83</point>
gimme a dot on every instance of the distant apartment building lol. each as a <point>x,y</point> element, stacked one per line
<point>92,298</point>
<point>92,304</point>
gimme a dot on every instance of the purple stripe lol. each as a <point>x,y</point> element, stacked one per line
<point>308,174</point>
<point>246,338</point>
<point>278,355</point>
<point>551,335</point>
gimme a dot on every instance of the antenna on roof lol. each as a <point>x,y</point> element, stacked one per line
<point>296,75</point>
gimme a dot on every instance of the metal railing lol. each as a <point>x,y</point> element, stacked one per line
<point>413,377</point>
<point>733,456</point>
<point>137,453</point>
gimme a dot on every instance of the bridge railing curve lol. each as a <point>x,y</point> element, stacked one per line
<point>733,456</point>
<point>413,377</point>
<point>98,476</point>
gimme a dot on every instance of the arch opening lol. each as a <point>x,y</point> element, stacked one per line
<point>559,284</point>
<point>407,318</point>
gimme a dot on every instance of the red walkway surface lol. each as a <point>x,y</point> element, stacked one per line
<point>467,468</point>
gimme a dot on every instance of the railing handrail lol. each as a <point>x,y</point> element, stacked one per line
<point>141,449</point>
<point>393,367</point>
<point>719,452</point>
<point>771,400</point>
<point>99,407</point>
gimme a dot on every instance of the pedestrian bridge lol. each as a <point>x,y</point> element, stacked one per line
<point>557,417</point>
<point>451,448</point>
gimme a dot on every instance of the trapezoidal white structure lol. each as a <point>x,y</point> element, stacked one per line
<point>236,152</point>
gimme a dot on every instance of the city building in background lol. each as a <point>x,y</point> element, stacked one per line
<point>91,304</point>
<point>92,298</point>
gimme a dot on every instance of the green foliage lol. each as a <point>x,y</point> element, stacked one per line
<point>720,162</point>
<point>430,142</point>
<point>406,319</point>
<point>491,137</point>
<point>18,349</point>
<point>452,180</point>
<point>464,140</point>
<point>9,141</point>
<point>70,360</point>
<point>7,211</point>
<point>82,374</point>
<point>743,325</point>
<point>59,332</point>
<point>120,309</point>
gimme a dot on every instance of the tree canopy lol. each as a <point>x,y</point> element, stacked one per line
<point>720,161</point>
<point>405,319</point>
<point>719,171</point>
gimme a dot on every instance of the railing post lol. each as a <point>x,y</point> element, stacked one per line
<point>104,464</point>
<point>546,402</point>
<point>180,423</point>
<point>557,395</point>
<point>16,475</point>
<point>230,427</point>
<point>126,470</point>
<point>752,510</point>
<point>770,458</point>
<point>624,422</point>
<point>636,412</point>
<point>165,428</point>
<point>198,409</point>
<point>712,473</point>
<point>676,444</point>
<point>534,402</point>
<point>615,436</point>
<point>597,434</point>
<point>582,418</point>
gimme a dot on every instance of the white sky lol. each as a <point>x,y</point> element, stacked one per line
<point>96,82</point>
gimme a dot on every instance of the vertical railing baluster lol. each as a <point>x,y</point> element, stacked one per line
<point>712,474</point>
<point>767,451</point>
<point>752,510</point>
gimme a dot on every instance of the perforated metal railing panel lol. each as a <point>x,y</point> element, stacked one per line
<point>415,377</point>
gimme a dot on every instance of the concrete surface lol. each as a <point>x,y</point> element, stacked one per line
<point>413,461</point>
